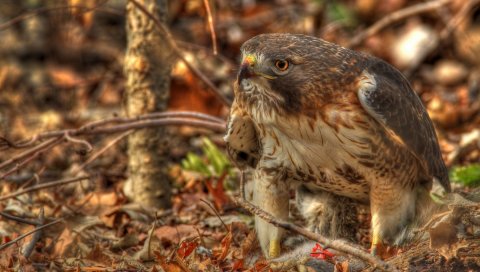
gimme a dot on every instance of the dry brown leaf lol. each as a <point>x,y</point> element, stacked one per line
<point>174,234</point>
<point>146,253</point>
<point>126,241</point>
<point>168,266</point>
<point>188,93</point>
<point>85,18</point>
<point>186,248</point>
<point>98,255</point>
<point>225,249</point>
<point>6,258</point>
<point>220,198</point>
<point>250,244</point>
<point>64,77</point>
<point>98,202</point>
<point>63,243</point>
<point>114,217</point>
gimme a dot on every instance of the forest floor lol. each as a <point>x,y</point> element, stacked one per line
<point>63,68</point>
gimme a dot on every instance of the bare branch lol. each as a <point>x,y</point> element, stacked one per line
<point>39,148</point>
<point>88,128</point>
<point>216,212</point>
<point>14,241</point>
<point>101,151</point>
<point>28,248</point>
<point>19,219</point>
<point>43,186</point>
<point>211,26</point>
<point>395,17</point>
<point>108,126</point>
<point>338,245</point>
<point>154,123</point>
<point>79,141</point>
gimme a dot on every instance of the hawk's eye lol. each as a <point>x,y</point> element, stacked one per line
<point>282,65</point>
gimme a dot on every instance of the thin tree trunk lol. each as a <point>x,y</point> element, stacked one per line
<point>148,64</point>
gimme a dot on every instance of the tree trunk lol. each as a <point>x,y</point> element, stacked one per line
<point>148,63</point>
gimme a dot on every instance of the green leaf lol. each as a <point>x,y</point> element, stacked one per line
<point>338,12</point>
<point>217,158</point>
<point>213,162</point>
<point>466,175</point>
<point>194,163</point>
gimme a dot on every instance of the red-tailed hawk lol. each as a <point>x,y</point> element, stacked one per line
<point>311,113</point>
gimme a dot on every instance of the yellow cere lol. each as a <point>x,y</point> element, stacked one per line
<point>250,59</point>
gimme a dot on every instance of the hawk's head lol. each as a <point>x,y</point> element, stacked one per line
<point>289,72</point>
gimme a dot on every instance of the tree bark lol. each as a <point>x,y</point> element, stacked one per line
<point>148,63</point>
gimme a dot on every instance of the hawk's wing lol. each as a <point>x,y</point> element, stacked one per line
<point>387,96</point>
<point>241,138</point>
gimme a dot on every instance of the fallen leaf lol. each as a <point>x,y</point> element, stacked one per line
<point>145,254</point>
<point>260,266</point>
<point>126,241</point>
<point>168,266</point>
<point>225,246</point>
<point>98,255</point>
<point>174,234</point>
<point>186,248</point>
<point>63,243</point>
<point>98,202</point>
<point>220,198</point>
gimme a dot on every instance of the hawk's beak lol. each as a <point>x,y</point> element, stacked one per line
<point>247,68</point>
<point>250,68</point>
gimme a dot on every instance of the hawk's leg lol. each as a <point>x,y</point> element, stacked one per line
<point>271,195</point>
<point>328,214</point>
<point>392,209</point>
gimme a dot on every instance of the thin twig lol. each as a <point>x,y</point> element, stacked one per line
<point>168,37</point>
<point>100,152</point>
<point>206,3</point>
<point>43,186</point>
<point>395,17</point>
<point>14,241</point>
<point>28,248</point>
<point>216,213</point>
<point>20,165</point>
<point>19,219</point>
<point>155,123</point>
<point>338,245</point>
<point>115,120</point>
<point>41,147</point>
<point>69,138</point>
<point>35,178</point>
<point>154,115</point>
<point>100,127</point>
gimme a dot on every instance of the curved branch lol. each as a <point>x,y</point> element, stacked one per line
<point>43,186</point>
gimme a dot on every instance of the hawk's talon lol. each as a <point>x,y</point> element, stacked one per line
<point>376,243</point>
<point>373,250</point>
<point>274,248</point>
